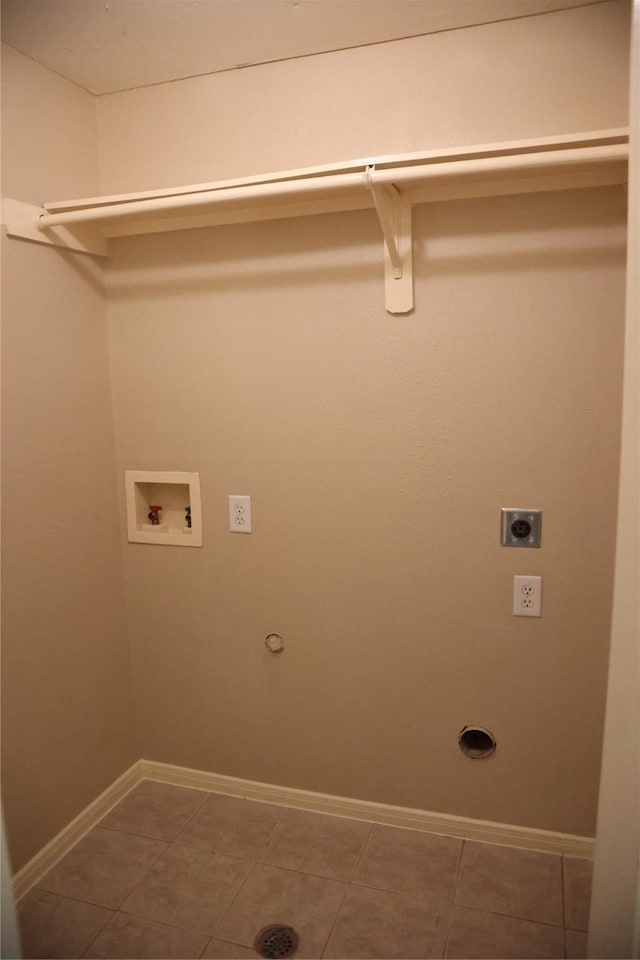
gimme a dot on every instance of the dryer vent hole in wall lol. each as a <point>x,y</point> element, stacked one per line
<point>276,940</point>
<point>476,742</point>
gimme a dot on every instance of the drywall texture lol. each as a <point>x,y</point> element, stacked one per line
<point>557,73</point>
<point>614,928</point>
<point>124,45</point>
<point>66,701</point>
<point>378,451</point>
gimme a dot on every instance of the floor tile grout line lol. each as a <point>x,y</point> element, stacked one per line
<point>350,883</point>
<point>346,890</point>
<point>452,905</point>
<point>166,845</point>
<point>234,943</point>
<point>512,916</point>
<point>445,946</point>
<point>361,854</point>
<point>515,916</point>
<point>253,862</point>
<point>458,871</point>
<point>135,833</point>
<point>325,876</point>
<point>183,843</point>
<point>165,923</point>
<point>214,852</point>
<point>316,876</point>
<point>279,825</point>
<point>222,852</point>
<point>335,919</point>
<point>142,877</point>
<point>66,896</point>
<point>205,793</point>
<point>231,903</point>
<point>402,893</point>
<point>101,930</point>
<point>306,873</point>
<point>207,796</point>
<point>160,923</point>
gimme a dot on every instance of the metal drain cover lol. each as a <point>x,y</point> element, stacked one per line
<point>276,940</point>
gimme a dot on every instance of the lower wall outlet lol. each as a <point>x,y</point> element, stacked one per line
<point>239,514</point>
<point>527,596</point>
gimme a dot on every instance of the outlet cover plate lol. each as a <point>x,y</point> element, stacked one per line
<point>520,527</point>
<point>239,514</point>
<point>527,596</point>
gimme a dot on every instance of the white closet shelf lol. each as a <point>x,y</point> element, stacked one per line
<point>391,185</point>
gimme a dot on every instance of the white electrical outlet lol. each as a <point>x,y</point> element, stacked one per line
<point>239,514</point>
<point>527,596</point>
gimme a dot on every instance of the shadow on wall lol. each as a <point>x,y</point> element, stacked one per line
<point>341,248</point>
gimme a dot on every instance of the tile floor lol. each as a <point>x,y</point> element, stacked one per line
<point>180,873</point>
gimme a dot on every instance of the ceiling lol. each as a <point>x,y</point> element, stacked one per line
<point>111,45</point>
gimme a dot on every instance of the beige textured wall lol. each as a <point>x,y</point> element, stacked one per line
<point>262,356</point>
<point>67,728</point>
<point>614,927</point>
<point>378,452</point>
<point>557,73</point>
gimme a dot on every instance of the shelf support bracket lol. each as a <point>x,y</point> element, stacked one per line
<point>394,214</point>
<point>21,220</point>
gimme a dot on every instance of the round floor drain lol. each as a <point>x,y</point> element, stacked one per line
<point>276,940</point>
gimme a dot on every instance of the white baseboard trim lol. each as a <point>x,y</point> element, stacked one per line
<point>465,828</point>
<point>36,868</point>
